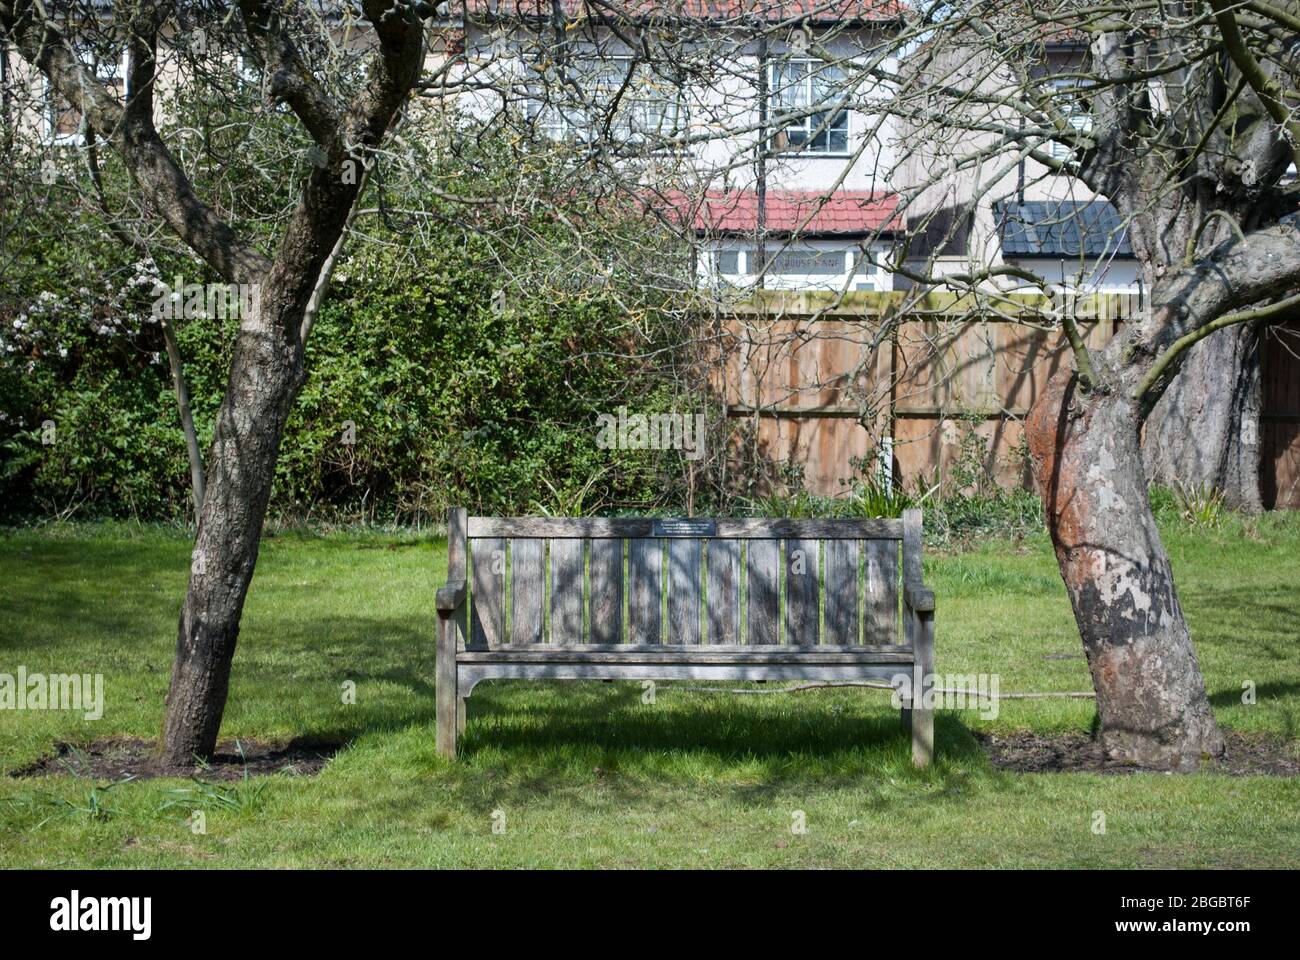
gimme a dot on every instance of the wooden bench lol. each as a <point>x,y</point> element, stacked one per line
<point>642,599</point>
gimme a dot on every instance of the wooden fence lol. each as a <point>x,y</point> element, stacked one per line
<point>937,385</point>
<point>1280,417</point>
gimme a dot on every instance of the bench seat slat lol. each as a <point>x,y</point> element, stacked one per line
<point>668,653</point>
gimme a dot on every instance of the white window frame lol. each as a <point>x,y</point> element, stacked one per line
<point>858,274</point>
<point>247,72</point>
<point>559,121</point>
<point>813,70</point>
<point>1074,113</point>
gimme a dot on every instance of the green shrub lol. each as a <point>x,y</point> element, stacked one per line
<point>427,384</point>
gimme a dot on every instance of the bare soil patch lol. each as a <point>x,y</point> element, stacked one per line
<point>1247,755</point>
<point>117,758</point>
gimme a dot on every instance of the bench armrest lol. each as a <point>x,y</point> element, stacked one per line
<point>449,598</point>
<point>918,598</point>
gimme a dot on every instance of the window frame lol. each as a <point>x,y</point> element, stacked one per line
<point>559,122</point>
<point>814,68</point>
<point>858,273</point>
<point>1078,118</point>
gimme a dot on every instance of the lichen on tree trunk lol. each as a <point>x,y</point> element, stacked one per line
<point>1151,699</point>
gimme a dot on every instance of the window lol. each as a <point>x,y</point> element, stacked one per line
<point>800,266</point>
<point>647,107</point>
<point>110,67</point>
<point>1068,101</point>
<point>797,88</point>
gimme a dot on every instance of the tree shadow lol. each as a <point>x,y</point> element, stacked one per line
<point>1232,697</point>
<point>609,722</point>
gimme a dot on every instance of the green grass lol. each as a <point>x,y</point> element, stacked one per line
<point>587,775</point>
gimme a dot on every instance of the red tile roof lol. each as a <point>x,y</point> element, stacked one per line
<point>771,10</point>
<point>811,212</point>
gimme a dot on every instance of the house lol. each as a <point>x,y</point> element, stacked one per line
<point>687,90</point>
<point>698,86</point>
<point>684,92</point>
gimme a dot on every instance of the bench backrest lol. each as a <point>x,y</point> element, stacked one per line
<point>574,581</point>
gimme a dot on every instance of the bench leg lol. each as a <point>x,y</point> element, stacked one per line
<point>922,723</point>
<point>460,714</point>
<point>922,704</point>
<point>921,632</point>
<point>448,707</point>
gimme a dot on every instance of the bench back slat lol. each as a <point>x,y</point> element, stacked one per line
<point>726,582</point>
<point>880,599</point>
<point>802,592</point>
<point>842,592</point>
<point>488,581</point>
<point>724,591</point>
<point>645,590</point>
<point>566,590</point>
<point>762,569</point>
<point>527,563</point>
<point>684,568</point>
<point>605,608</point>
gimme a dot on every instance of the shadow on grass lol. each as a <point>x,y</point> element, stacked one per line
<point>1233,616</point>
<point>1231,697</point>
<point>524,740</point>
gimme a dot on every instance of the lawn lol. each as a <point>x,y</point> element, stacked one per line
<point>586,775</point>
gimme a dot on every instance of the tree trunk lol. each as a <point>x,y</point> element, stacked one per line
<point>264,379</point>
<point>1151,699</point>
<point>1205,432</point>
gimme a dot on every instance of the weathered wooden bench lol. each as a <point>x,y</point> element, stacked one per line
<point>642,599</point>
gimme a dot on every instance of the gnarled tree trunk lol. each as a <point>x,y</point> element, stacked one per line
<point>1151,699</point>
<point>1204,433</point>
<point>265,375</point>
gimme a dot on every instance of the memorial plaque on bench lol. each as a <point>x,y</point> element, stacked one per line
<point>684,528</point>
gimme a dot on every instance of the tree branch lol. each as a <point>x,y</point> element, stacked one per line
<point>1180,346</point>
<point>133,135</point>
<point>290,79</point>
<point>1268,92</point>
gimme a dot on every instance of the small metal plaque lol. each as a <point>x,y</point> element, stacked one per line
<point>683,528</point>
